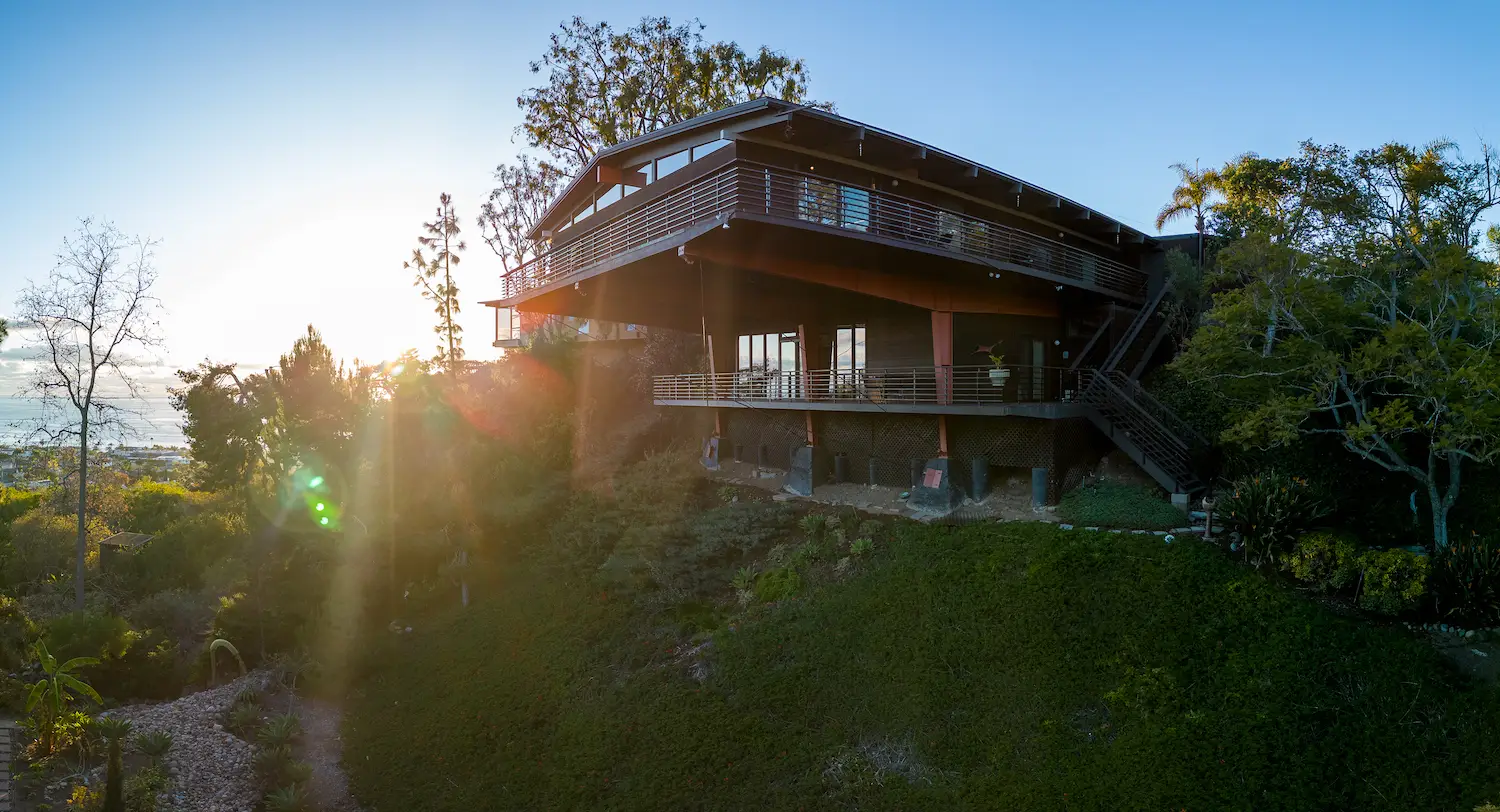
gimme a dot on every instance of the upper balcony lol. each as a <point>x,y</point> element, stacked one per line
<point>743,189</point>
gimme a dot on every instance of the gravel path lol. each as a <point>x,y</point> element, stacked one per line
<point>210,767</point>
<point>324,749</point>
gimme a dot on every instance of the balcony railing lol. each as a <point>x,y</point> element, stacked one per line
<point>806,199</point>
<point>954,385</point>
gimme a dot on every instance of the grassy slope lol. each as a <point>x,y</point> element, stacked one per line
<point>1019,666</point>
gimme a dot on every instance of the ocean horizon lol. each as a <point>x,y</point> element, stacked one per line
<point>158,423</point>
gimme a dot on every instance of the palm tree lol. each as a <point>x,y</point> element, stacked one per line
<point>1194,190</point>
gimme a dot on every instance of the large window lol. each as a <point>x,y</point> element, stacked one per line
<point>849,349</point>
<point>769,365</point>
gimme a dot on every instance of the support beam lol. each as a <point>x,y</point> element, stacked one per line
<point>942,436</point>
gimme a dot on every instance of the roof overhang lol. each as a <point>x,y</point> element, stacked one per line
<point>770,119</point>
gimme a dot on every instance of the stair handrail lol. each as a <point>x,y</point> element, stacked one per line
<point>1136,326</point>
<point>1164,414</point>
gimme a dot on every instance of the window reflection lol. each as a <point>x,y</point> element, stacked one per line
<point>712,146</point>
<point>671,163</point>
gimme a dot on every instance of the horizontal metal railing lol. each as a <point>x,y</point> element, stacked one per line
<point>928,385</point>
<point>819,201</point>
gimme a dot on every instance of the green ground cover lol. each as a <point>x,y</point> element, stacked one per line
<point>988,667</point>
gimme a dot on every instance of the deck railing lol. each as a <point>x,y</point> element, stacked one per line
<point>929,385</point>
<point>811,200</point>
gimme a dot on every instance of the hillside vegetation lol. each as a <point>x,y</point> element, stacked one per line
<point>988,667</point>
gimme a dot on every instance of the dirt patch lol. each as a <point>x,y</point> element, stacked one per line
<point>323,749</point>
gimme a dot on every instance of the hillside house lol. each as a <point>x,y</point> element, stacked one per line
<point>871,307</point>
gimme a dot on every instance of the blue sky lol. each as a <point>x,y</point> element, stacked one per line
<point>286,153</point>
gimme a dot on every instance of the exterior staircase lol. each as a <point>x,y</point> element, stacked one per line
<point>1159,441</point>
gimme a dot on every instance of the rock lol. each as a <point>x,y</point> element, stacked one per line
<point>1095,529</point>
<point>1169,538</point>
<point>1180,530</point>
<point>1139,532</point>
<point>1159,532</point>
<point>209,767</point>
<point>1117,531</point>
<point>1065,527</point>
<point>1443,628</point>
<point>1469,634</point>
<point>782,497</point>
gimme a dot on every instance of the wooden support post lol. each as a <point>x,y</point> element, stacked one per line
<point>943,436</point>
<point>802,363</point>
<point>713,380</point>
<point>811,440</point>
<point>942,355</point>
<point>718,422</point>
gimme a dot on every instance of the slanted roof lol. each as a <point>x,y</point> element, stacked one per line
<point>1002,187</point>
<point>126,541</point>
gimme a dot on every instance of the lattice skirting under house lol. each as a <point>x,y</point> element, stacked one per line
<point>894,442</point>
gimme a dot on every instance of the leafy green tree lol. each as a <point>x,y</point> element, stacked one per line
<point>58,688</point>
<point>433,259</point>
<point>515,206</point>
<point>221,416</point>
<point>96,318</point>
<point>604,86</point>
<point>1356,303</point>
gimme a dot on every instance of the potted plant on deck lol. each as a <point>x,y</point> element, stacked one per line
<point>999,374</point>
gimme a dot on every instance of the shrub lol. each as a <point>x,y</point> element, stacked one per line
<point>42,544</point>
<point>17,633</point>
<point>142,788</point>
<point>778,584</point>
<point>860,547</point>
<point>151,506</point>
<point>130,663</point>
<point>1270,511</point>
<point>182,615</point>
<point>583,536</point>
<point>1394,580</point>
<point>88,634</point>
<point>1114,504</point>
<point>1466,580</point>
<point>184,550</point>
<point>814,525</point>
<point>1329,561</point>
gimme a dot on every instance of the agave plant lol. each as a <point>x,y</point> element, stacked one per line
<point>114,731</point>
<point>291,798</point>
<point>154,745</point>
<point>280,731</point>
<point>243,718</point>
<point>55,691</point>
<point>272,764</point>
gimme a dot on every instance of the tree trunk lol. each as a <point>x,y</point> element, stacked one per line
<point>1439,519</point>
<point>1265,352</point>
<point>83,495</point>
